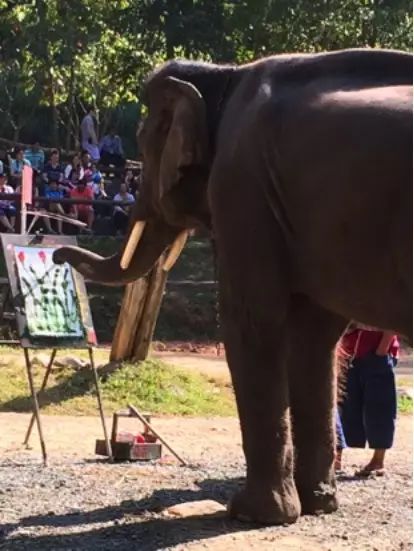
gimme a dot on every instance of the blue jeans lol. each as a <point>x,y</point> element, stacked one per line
<point>369,410</point>
<point>340,437</point>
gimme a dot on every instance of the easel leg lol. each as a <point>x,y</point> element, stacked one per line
<point>44,383</point>
<point>98,394</point>
<point>35,405</point>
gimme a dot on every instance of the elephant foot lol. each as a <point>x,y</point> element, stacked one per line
<point>319,500</point>
<point>265,507</point>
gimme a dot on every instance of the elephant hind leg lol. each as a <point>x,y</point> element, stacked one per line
<point>313,334</point>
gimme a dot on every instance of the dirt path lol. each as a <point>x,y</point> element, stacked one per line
<point>81,503</point>
<point>215,367</point>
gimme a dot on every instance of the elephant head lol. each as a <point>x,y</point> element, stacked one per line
<point>177,145</point>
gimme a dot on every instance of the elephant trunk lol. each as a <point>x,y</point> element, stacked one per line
<point>156,237</point>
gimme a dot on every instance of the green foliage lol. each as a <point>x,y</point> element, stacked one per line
<point>152,385</point>
<point>65,53</point>
<point>160,388</point>
<point>405,404</point>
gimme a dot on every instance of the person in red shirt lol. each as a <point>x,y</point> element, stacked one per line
<point>369,408</point>
<point>80,211</point>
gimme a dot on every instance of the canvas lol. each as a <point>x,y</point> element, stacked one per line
<point>49,293</point>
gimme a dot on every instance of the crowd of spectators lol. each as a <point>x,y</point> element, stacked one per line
<point>81,177</point>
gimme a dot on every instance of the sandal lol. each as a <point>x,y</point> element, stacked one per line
<point>366,473</point>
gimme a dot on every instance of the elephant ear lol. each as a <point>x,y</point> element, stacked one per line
<point>187,138</point>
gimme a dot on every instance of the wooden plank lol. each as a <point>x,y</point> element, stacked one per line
<point>149,316</point>
<point>132,306</point>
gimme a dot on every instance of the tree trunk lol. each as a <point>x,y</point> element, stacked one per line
<point>70,108</point>
<point>52,104</point>
<point>138,316</point>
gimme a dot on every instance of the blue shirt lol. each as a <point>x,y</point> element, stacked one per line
<point>111,144</point>
<point>53,173</point>
<point>16,166</point>
<point>36,158</point>
<point>53,193</point>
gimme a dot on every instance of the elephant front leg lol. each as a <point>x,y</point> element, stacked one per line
<point>256,357</point>
<point>313,336</point>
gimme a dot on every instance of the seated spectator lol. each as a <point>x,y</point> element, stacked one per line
<point>86,165</point>
<point>133,182</point>
<point>4,163</point>
<point>121,212</point>
<point>96,182</point>
<point>54,191</point>
<point>17,164</point>
<point>129,178</point>
<point>73,172</point>
<point>7,209</point>
<point>53,171</point>
<point>36,156</point>
<point>80,211</point>
<point>111,150</point>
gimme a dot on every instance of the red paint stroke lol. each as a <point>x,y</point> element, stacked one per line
<point>42,256</point>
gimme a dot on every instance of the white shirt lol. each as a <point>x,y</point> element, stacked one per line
<point>6,189</point>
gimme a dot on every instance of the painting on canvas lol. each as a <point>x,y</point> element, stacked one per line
<point>49,293</point>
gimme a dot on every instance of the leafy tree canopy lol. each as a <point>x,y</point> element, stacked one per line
<point>58,55</point>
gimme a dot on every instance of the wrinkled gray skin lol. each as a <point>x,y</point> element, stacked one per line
<point>302,167</point>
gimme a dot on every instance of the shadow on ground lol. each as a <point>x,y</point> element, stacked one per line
<point>136,525</point>
<point>79,383</point>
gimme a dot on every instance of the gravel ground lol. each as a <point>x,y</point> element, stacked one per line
<point>81,503</point>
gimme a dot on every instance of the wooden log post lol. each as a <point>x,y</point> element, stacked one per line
<point>138,316</point>
<point>148,321</point>
<point>132,306</point>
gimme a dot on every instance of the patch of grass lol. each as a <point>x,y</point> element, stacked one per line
<point>151,385</point>
<point>405,405</point>
<point>162,388</point>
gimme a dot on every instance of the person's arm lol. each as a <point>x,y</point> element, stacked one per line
<point>73,207</point>
<point>118,208</point>
<point>385,343</point>
<point>102,189</point>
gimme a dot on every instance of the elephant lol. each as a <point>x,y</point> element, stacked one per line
<point>301,167</point>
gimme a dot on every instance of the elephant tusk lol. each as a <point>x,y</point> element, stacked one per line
<point>175,250</point>
<point>132,243</point>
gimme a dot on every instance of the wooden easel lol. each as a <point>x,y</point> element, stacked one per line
<point>36,407</point>
<point>9,241</point>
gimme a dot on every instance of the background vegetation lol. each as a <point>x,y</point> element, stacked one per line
<point>58,55</point>
<point>156,386</point>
